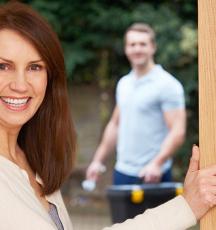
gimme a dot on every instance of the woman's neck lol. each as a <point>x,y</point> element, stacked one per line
<point>8,145</point>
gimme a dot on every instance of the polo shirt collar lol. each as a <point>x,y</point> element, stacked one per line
<point>146,77</point>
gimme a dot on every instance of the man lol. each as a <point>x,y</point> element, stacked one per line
<point>149,120</point>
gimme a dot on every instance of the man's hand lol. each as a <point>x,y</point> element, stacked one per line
<point>94,170</point>
<point>151,173</point>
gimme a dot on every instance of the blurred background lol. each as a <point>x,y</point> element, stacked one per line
<point>91,34</point>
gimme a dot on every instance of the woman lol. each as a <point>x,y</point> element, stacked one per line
<point>37,137</point>
<point>37,145</point>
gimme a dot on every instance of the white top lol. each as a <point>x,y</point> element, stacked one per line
<point>19,206</point>
<point>172,215</point>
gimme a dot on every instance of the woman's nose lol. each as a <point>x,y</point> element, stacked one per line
<point>19,82</point>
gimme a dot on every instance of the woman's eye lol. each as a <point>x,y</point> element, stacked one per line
<point>4,66</point>
<point>35,67</point>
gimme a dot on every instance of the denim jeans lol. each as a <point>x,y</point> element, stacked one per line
<point>122,179</point>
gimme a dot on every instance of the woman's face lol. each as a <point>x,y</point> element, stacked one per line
<point>23,79</point>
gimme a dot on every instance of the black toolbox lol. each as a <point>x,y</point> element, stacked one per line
<point>127,201</point>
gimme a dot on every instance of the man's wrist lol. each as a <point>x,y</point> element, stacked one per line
<point>99,165</point>
<point>158,161</point>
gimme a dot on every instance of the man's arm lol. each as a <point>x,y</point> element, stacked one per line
<point>176,123</point>
<point>106,146</point>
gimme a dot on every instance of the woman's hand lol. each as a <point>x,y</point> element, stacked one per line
<point>200,186</point>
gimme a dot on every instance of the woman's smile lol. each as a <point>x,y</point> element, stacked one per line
<point>15,104</point>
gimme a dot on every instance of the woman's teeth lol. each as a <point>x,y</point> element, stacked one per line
<point>15,101</point>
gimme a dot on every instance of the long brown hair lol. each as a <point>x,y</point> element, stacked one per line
<point>48,138</point>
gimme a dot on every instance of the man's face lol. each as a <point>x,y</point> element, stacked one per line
<point>139,48</point>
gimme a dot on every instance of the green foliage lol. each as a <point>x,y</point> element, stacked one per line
<point>92,31</point>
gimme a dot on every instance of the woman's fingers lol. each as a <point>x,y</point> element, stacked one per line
<point>194,161</point>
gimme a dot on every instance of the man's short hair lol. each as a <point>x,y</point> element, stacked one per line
<point>141,27</point>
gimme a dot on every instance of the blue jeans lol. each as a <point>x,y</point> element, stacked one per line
<point>122,179</point>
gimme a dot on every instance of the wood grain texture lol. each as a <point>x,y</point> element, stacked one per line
<point>207,92</point>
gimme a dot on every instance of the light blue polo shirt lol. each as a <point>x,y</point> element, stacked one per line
<point>142,128</point>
